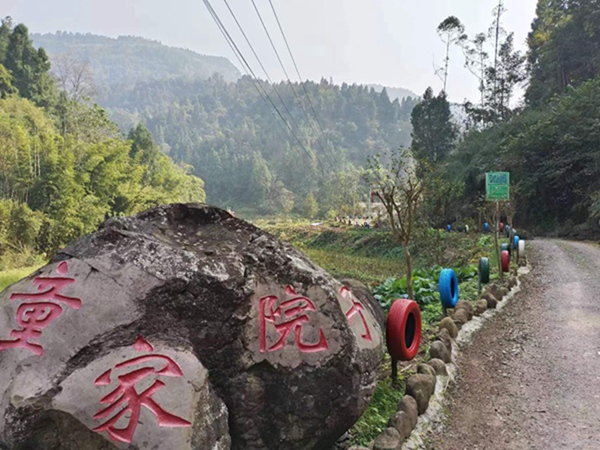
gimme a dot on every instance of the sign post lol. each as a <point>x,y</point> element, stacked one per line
<point>497,188</point>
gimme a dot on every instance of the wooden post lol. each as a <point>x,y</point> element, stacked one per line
<point>498,254</point>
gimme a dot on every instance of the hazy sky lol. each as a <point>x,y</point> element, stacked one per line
<point>390,42</point>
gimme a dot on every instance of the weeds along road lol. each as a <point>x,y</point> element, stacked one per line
<point>531,377</point>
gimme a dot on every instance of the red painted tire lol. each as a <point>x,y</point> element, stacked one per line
<point>505,261</point>
<point>501,227</point>
<point>403,330</point>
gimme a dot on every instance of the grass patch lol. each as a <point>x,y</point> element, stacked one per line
<point>369,270</point>
<point>383,405</point>
<point>9,277</point>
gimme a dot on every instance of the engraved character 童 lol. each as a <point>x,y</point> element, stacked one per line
<point>42,308</point>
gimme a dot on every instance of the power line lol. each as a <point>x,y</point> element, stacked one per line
<point>290,82</point>
<point>248,69</point>
<point>265,71</point>
<point>302,82</point>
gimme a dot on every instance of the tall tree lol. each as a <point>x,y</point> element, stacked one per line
<point>434,135</point>
<point>6,27</point>
<point>564,47</point>
<point>451,32</point>
<point>476,58</point>
<point>29,67</point>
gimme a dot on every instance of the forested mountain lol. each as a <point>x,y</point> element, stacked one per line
<point>258,145</point>
<point>64,166</point>
<point>243,150</point>
<point>129,59</point>
<point>552,146</point>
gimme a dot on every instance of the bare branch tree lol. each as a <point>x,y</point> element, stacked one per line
<point>74,76</point>
<point>398,187</point>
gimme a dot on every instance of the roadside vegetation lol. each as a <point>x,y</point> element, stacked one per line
<point>370,256</point>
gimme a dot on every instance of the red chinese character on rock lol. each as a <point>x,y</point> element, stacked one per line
<point>126,397</point>
<point>288,317</point>
<point>43,308</point>
<point>357,308</point>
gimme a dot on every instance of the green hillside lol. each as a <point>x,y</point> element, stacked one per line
<point>129,59</point>
<point>64,166</point>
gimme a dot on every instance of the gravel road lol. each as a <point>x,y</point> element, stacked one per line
<point>531,377</point>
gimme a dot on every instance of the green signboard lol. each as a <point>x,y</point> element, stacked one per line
<point>497,186</point>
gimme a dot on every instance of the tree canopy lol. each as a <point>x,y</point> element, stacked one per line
<point>64,167</point>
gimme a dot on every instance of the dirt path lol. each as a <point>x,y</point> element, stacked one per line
<point>531,377</point>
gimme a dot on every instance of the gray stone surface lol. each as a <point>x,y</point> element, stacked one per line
<point>409,405</point>
<point>421,388</point>
<point>389,439</point>
<point>449,325</point>
<point>460,317</point>
<point>481,307</point>
<point>439,366</point>
<point>467,306</point>
<point>205,290</point>
<point>491,300</point>
<point>402,423</point>
<point>444,336</point>
<point>425,369</point>
<point>439,351</point>
<point>502,292</point>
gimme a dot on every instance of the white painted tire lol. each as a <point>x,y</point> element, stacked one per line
<point>521,251</point>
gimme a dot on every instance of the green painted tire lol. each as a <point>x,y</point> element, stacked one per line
<point>484,270</point>
<point>506,247</point>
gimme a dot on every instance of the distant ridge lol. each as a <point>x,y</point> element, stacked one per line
<point>129,59</point>
<point>394,92</point>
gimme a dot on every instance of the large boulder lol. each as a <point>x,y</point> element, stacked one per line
<point>184,328</point>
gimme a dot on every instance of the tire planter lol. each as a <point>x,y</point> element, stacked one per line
<point>403,330</point>
<point>448,288</point>
<point>506,247</point>
<point>507,231</point>
<point>505,261</point>
<point>484,270</point>
<point>521,250</point>
<point>516,242</point>
<point>449,228</point>
<point>486,227</point>
<point>501,227</point>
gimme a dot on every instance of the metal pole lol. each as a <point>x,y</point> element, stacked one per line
<point>370,197</point>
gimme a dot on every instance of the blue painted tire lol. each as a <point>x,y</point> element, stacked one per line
<point>449,227</point>
<point>486,227</point>
<point>516,242</point>
<point>448,288</point>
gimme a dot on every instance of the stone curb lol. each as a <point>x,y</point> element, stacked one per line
<point>425,393</point>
